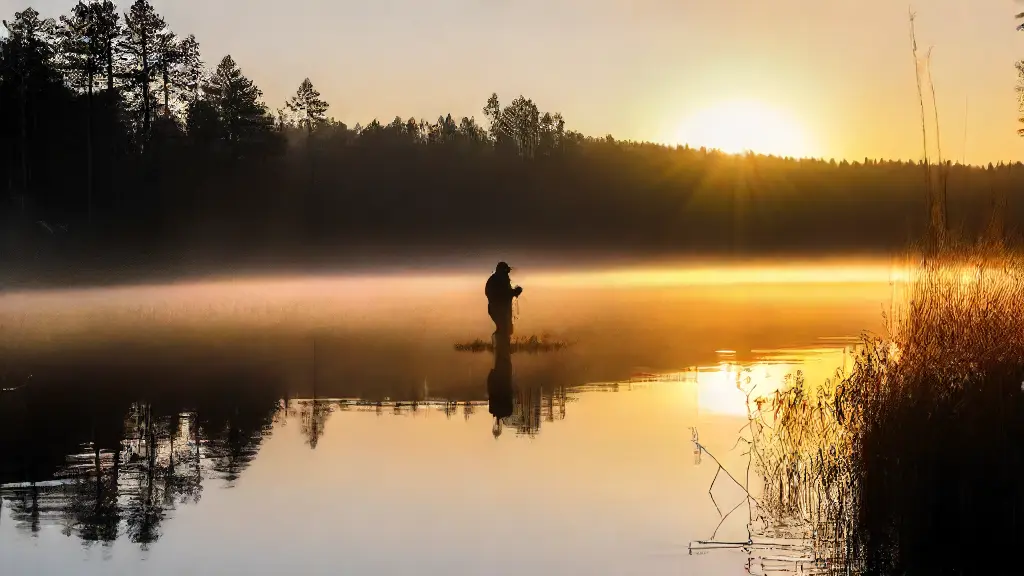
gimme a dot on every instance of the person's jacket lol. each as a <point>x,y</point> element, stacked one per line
<point>500,293</point>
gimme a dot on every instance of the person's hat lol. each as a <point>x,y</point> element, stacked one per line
<point>503,267</point>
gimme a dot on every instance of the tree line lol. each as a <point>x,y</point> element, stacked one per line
<point>117,140</point>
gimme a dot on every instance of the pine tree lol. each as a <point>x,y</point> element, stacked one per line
<point>107,32</point>
<point>310,109</point>
<point>146,35</point>
<point>179,70</point>
<point>82,51</point>
<point>241,113</point>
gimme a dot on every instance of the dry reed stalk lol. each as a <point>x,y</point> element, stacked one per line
<point>920,94</point>
<point>940,206</point>
<point>849,460</point>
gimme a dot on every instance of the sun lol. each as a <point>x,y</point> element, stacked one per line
<point>738,126</point>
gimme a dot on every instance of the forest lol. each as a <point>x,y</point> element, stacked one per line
<point>123,147</point>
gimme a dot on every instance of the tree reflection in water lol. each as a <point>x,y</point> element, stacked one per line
<point>116,463</point>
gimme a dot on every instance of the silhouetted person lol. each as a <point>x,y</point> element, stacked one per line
<point>499,387</point>
<point>500,293</point>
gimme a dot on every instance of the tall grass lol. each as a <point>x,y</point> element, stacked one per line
<point>911,461</point>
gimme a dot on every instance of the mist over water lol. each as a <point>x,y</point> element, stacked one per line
<point>356,439</point>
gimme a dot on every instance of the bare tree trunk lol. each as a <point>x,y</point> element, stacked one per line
<point>90,173</point>
<point>310,194</point>
<point>147,112</point>
<point>24,144</point>
<point>167,94</point>
<point>110,65</point>
<point>111,102</point>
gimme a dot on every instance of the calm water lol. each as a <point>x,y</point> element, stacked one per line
<point>328,426</point>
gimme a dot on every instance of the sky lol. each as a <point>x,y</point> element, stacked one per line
<point>840,72</point>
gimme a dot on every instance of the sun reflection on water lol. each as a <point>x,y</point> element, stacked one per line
<point>722,389</point>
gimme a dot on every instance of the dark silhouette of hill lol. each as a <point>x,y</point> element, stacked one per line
<point>121,153</point>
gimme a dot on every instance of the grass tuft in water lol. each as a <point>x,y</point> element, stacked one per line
<point>528,344</point>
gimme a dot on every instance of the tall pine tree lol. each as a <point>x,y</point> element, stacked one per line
<point>145,44</point>
<point>242,116</point>
<point>309,108</point>
<point>82,53</point>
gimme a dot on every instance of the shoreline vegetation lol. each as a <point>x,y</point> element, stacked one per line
<point>123,153</point>
<point>917,444</point>
<point>910,461</point>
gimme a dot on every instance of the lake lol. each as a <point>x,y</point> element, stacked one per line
<point>327,425</point>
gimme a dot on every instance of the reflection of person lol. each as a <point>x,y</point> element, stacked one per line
<point>500,293</point>
<point>499,388</point>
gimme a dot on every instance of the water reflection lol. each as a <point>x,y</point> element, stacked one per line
<point>107,465</point>
<point>350,419</point>
<point>500,394</point>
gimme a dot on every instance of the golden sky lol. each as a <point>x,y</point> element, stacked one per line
<point>839,69</point>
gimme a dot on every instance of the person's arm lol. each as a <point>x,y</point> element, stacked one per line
<point>513,292</point>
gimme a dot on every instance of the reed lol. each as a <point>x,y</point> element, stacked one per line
<point>910,461</point>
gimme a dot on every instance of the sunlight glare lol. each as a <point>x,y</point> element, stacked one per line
<point>722,389</point>
<point>739,126</point>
